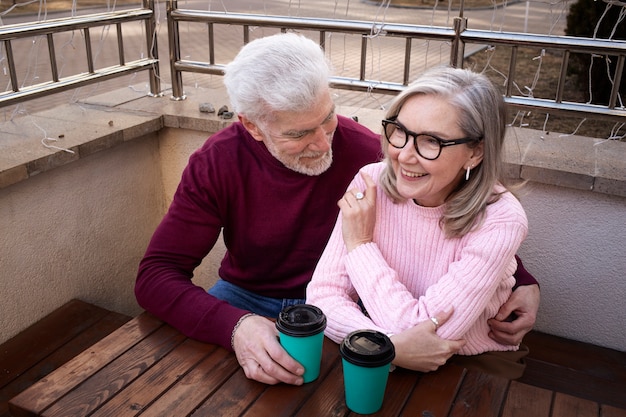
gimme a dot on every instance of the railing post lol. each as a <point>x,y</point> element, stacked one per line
<point>153,49</point>
<point>457,49</point>
<point>15,86</point>
<point>174,41</point>
<point>617,79</point>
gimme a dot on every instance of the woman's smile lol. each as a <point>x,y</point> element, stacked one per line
<point>411,174</point>
<point>429,182</point>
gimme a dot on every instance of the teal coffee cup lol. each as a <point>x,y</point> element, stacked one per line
<point>366,356</point>
<point>301,332</point>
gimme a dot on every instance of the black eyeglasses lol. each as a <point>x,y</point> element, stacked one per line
<point>427,146</point>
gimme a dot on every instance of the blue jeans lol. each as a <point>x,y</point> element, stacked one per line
<point>247,300</point>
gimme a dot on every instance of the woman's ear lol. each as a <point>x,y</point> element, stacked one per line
<point>477,153</point>
<point>251,127</point>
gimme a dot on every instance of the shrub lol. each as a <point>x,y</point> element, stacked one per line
<point>596,19</point>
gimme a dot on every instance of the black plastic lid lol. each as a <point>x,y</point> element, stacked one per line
<point>368,348</point>
<point>301,320</point>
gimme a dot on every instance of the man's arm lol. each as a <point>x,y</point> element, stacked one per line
<point>517,316</point>
<point>522,276</point>
<point>187,233</point>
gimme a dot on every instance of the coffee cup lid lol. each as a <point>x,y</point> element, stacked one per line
<point>368,348</point>
<point>301,320</point>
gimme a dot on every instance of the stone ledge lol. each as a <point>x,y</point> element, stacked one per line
<point>71,131</point>
<point>109,119</point>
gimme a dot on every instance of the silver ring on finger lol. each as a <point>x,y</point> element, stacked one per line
<point>435,322</point>
<point>359,196</point>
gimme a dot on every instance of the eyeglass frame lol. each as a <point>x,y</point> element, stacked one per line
<point>442,142</point>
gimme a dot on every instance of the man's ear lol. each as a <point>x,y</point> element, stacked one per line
<point>251,127</point>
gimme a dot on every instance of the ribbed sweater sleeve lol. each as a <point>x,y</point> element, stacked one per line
<point>411,271</point>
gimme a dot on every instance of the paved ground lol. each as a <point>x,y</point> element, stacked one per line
<point>535,17</point>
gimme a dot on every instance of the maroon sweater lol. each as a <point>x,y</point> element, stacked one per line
<point>276,223</point>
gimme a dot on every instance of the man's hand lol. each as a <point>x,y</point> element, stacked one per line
<point>260,354</point>
<point>523,304</point>
<point>420,349</point>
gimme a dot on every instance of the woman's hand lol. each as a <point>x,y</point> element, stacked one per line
<point>358,214</point>
<point>421,349</point>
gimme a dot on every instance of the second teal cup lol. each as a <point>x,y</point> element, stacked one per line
<point>301,332</point>
<point>366,358</point>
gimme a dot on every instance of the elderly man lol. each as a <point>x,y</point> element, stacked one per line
<point>271,183</point>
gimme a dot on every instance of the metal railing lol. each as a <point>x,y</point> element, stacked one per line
<point>457,37</point>
<point>49,28</point>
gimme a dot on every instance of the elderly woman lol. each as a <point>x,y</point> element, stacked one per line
<point>431,227</point>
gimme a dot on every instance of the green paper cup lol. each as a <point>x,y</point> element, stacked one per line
<point>366,358</point>
<point>301,332</point>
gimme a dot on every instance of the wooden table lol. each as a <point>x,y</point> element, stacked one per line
<point>146,367</point>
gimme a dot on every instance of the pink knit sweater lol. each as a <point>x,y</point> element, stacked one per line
<point>411,271</point>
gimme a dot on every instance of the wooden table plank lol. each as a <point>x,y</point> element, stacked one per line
<point>156,380</point>
<point>570,381</point>
<point>111,379</point>
<point>109,323</point>
<point>283,400</point>
<point>49,389</point>
<point>481,395</point>
<point>193,388</point>
<point>576,368</point>
<point>328,399</point>
<point>232,398</point>
<point>609,411</point>
<point>49,333</point>
<point>518,405</point>
<point>399,386</point>
<point>569,406</point>
<point>435,392</point>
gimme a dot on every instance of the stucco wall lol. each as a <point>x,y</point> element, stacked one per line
<point>575,248</point>
<point>78,231</point>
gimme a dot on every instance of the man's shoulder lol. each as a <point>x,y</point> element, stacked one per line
<point>358,139</point>
<point>352,127</point>
<point>224,136</point>
<point>223,142</point>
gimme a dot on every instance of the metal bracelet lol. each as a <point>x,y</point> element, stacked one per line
<point>232,335</point>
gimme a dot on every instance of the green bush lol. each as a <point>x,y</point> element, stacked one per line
<point>582,21</point>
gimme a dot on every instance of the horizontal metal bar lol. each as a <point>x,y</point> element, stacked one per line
<point>315,24</point>
<point>335,82</point>
<point>199,67</point>
<point>79,80</point>
<point>573,44</point>
<point>24,30</point>
<point>564,108</point>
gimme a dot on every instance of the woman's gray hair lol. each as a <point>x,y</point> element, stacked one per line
<point>481,114</point>
<point>283,72</point>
